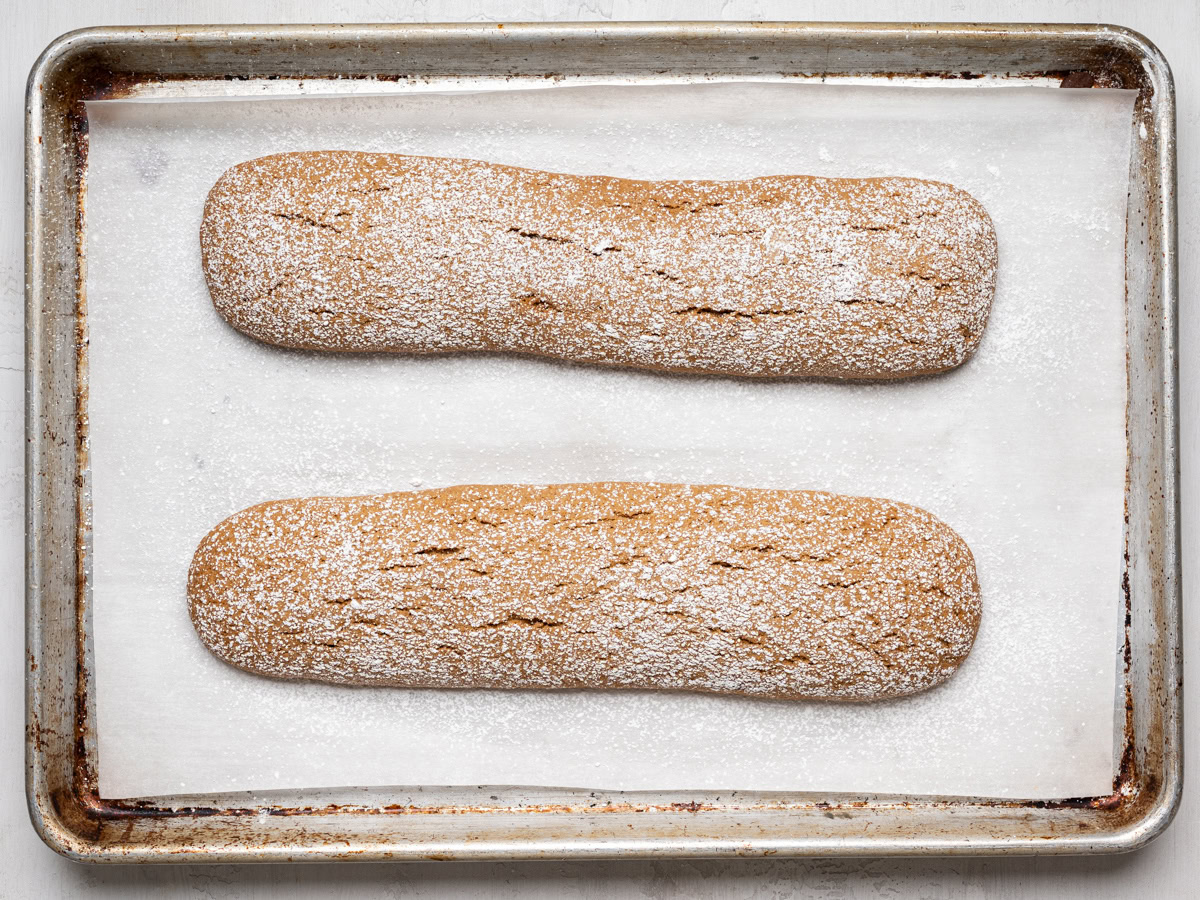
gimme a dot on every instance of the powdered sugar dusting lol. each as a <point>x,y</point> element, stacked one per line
<point>785,594</point>
<point>786,275</point>
<point>1020,449</point>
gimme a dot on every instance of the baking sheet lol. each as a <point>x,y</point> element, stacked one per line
<point>1022,450</point>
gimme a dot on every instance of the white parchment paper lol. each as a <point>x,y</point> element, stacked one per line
<point>1022,450</point>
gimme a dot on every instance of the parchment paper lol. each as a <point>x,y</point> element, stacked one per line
<point>1022,450</point>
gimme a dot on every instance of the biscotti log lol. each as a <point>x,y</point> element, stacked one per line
<point>787,275</point>
<point>784,594</point>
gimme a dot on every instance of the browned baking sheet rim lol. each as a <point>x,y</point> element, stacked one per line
<point>487,822</point>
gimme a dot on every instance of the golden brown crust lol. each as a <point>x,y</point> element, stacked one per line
<point>783,594</point>
<point>787,275</point>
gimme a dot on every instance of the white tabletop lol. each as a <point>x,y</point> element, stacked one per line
<point>31,870</point>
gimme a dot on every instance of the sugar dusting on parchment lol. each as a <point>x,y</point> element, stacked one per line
<point>783,594</point>
<point>784,275</point>
<point>1020,449</point>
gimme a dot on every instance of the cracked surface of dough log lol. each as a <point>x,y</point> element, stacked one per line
<point>775,276</point>
<point>779,594</point>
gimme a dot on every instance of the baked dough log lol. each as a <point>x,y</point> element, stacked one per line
<point>787,275</point>
<point>784,594</point>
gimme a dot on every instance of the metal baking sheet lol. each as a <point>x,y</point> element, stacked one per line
<point>522,822</point>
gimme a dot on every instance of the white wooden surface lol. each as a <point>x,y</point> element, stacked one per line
<point>28,869</point>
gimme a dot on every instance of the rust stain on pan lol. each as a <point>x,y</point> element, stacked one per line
<point>85,777</point>
<point>125,809</point>
<point>102,84</point>
<point>1078,80</point>
<point>119,810</point>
